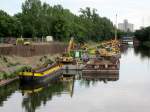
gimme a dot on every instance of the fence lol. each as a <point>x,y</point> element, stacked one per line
<point>12,40</point>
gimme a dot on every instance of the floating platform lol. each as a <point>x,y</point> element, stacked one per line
<point>102,67</point>
<point>73,67</point>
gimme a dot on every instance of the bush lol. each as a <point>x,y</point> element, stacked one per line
<point>12,75</point>
<point>24,68</point>
<point>4,59</point>
<point>49,61</point>
<point>1,76</point>
<point>12,64</point>
<point>5,75</point>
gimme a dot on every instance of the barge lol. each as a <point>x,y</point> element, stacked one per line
<point>42,74</point>
<point>102,67</point>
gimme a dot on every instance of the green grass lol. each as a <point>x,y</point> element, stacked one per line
<point>9,64</point>
<point>5,75</point>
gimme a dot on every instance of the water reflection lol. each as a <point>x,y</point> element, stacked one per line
<point>92,79</point>
<point>68,83</point>
<point>6,91</point>
<point>124,49</point>
<point>144,52</point>
<point>100,77</point>
<point>36,95</point>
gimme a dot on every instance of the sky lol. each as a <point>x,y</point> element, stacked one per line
<point>136,11</point>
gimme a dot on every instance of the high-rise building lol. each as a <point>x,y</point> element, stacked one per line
<point>126,26</point>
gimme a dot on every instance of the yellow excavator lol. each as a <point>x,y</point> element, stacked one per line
<point>66,57</point>
<point>22,41</point>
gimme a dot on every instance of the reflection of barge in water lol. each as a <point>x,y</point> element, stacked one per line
<point>65,84</point>
<point>42,74</point>
<point>101,77</point>
<point>36,87</point>
<point>35,95</point>
<point>32,88</point>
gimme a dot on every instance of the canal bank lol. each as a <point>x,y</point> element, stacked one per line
<point>8,81</point>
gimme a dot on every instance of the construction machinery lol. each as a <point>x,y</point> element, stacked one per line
<point>66,57</point>
<point>22,41</point>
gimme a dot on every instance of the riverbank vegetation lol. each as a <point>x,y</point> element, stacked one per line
<point>143,35</point>
<point>39,19</point>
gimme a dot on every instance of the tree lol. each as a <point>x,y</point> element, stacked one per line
<point>40,19</point>
<point>143,34</point>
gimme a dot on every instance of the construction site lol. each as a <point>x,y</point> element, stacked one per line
<point>34,61</point>
<point>102,58</point>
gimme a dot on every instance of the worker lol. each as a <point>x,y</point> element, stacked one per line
<point>85,57</point>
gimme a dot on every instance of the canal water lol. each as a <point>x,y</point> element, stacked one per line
<point>127,92</point>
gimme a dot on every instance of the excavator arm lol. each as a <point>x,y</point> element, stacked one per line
<point>71,45</point>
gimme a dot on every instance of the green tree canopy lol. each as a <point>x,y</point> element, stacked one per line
<point>39,19</point>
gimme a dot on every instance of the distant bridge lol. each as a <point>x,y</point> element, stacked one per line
<point>127,40</point>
